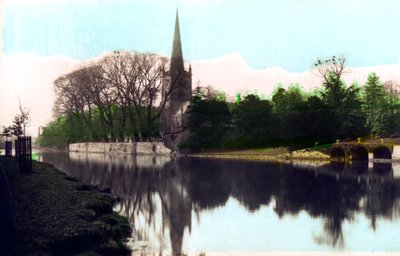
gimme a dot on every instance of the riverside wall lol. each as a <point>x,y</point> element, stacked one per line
<point>140,148</point>
<point>396,152</point>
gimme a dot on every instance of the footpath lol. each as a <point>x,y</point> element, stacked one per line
<point>47,213</point>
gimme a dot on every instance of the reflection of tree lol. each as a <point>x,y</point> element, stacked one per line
<point>159,197</point>
<point>210,187</point>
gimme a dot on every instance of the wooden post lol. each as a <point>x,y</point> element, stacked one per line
<point>8,149</point>
<point>16,149</point>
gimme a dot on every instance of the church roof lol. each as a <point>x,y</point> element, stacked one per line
<point>177,56</point>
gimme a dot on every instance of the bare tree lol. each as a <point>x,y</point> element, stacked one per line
<point>101,94</point>
<point>138,79</point>
<point>122,86</point>
<point>331,69</point>
<point>69,101</point>
<point>120,72</point>
<point>152,79</point>
<point>24,116</point>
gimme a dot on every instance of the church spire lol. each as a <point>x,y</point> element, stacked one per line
<point>177,56</point>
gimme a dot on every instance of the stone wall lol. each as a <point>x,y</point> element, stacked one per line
<point>396,152</point>
<point>145,148</point>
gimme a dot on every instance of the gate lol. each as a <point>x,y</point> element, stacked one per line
<point>23,153</point>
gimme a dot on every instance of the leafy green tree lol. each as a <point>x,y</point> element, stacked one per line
<point>7,132</point>
<point>343,104</point>
<point>208,121</point>
<point>392,108</point>
<point>381,105</point>
<point>316,121</point>
<point>349,114</point>
<point>252,118</point>
<point>17,126</point>
<point>374,105</point>
<point>55,134</point>
<point>290,109</point>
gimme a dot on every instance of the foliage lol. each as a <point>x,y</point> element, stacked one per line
<point>115,98</point>
<point>252,117</point>
<point>7,132</point>
<point>375,101</point>
<point>17,126</point>
<point>70,128</point>
<point>292,117</point>
<point>111,99</point>
<point>208,121</point>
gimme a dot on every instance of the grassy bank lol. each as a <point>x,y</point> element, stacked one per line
<point>267,154</point>
<point>56,215</point>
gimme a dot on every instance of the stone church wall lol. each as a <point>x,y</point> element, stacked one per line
<point>145,148</point>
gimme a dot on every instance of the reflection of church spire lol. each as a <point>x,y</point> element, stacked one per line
<point>176,206</point>
<point>177,56</point>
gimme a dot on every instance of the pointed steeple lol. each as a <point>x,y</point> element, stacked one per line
<point>177,56</point>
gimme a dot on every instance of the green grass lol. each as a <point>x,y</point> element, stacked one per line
<point>57,215</point>
<point>259,151</point>
<point>324,146</point>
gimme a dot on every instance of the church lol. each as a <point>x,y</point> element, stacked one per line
<point>176,94</point>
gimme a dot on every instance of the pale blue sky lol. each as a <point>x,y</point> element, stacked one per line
<point>286,33</point>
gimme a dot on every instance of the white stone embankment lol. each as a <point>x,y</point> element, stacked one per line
<point>396,153</point>
<point>145,148</point>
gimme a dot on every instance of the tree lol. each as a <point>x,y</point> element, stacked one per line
<point>279,99</point>
<point>392,107</point>
<point>17,126</point>
<point>349,114</point>
<point>374,104</point>
<point>331,70</point>
<point>121,95</point>
<point>24,117</point>
<point>7,132</point>
<point>252,118</point>
<point>208,121</point>
<point>289,113</point>
<point>70,102</point>
<point>137,79</point>
<point>316,121</point>
<point>343,104</point>
<point>54,134</point>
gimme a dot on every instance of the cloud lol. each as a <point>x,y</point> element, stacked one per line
<point>30,78</point>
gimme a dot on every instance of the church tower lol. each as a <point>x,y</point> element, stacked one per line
<point>177,91</point>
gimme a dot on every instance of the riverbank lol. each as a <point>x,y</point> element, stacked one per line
<point>53,214</point>
<point>267,154</point>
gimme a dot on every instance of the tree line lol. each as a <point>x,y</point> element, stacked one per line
<point>119,96</point>
<point>294,117</point>
<point>114,98</point>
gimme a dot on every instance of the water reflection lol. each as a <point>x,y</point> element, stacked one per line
<point>166,199</point>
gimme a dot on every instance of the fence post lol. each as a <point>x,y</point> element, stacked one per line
<point>16,149</point>
<point>8,149</point>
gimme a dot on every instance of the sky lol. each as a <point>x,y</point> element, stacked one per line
<point>290,34</point>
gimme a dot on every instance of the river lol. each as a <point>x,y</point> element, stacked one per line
<point>200,206</point>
